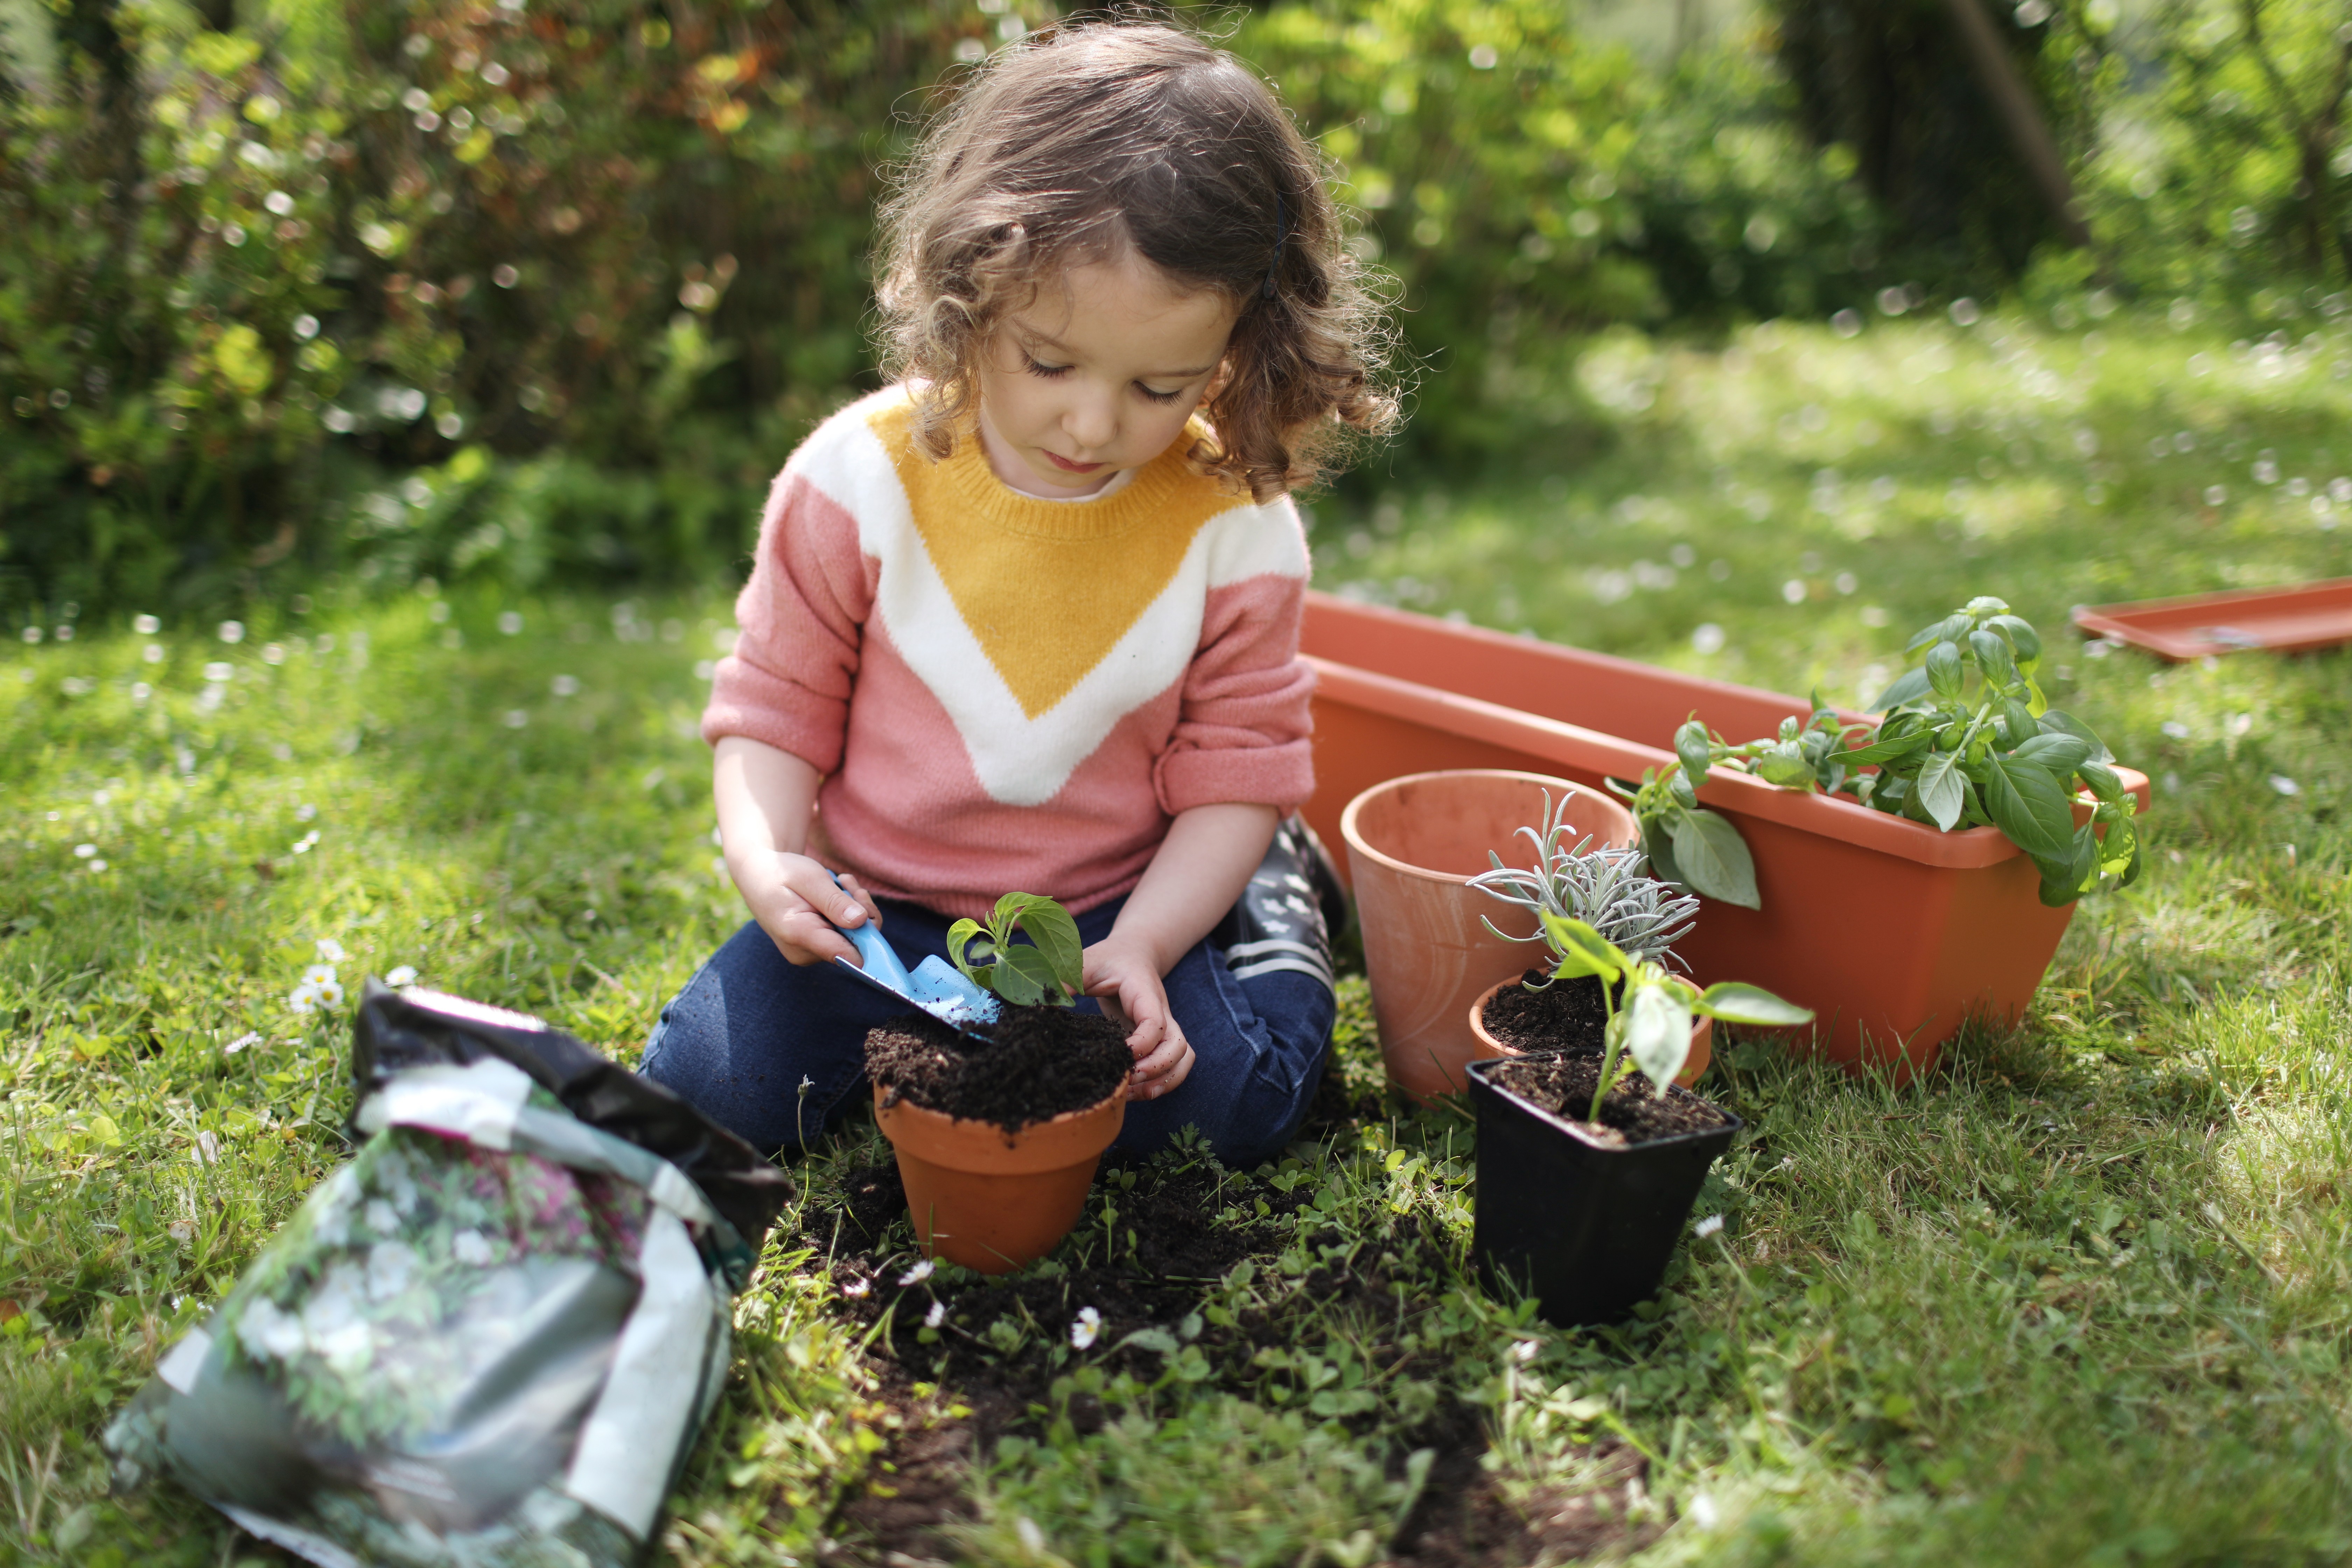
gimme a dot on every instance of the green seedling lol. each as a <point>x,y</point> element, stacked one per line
<point>1049,968</point>
<point>1649,1006</point>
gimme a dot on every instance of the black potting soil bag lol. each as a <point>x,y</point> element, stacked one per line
<point>488,1340</point>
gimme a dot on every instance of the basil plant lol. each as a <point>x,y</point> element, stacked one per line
<point>1049,968</point>
<point>1649,1006</point>
<point>1968,740</point>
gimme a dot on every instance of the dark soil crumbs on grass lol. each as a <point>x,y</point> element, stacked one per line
<point>1038,1063</point>
<point>1562,1083</point>
<point>1565,1015</point>
<point>1181,1226</point>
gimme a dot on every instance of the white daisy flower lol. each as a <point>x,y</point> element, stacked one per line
<point>936,1316</point>
<point>856,1287</point>
<point>1709,1226</point>
<point>330,950</point>
<point>1085,1329</point>
<point>918,1274</point>
<point>405,974</point>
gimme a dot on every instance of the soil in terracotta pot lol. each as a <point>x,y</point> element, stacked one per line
<point>1562,1081</point>
<point>1566,1014</point>
<point>1038,1063</point>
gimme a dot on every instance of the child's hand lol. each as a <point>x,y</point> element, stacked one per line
<point>795,901</point>
<point>1128,983</point>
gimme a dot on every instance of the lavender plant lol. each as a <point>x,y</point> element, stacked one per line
<point>1608,889</point>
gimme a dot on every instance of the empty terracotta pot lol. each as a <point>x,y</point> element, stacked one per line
<point>1413,844</point>
<point>993,1200</point>
<point>1488,1049</point>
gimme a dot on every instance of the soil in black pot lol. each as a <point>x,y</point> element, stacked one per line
<point>1566,1014</point>
<point>1038,1062</point>
<point>1562,1081</point>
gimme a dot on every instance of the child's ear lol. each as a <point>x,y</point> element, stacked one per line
<point>1219,381</point>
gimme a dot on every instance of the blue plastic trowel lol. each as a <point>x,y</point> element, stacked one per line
<point>935,986</point>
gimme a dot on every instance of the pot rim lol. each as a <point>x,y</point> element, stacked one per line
<point>1357,845</point>
<point>1477,1070</point>
<point>1700,1025</point>
<point>943,1140</point>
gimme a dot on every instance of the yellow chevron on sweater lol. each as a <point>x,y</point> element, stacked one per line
<point>1049,587</point>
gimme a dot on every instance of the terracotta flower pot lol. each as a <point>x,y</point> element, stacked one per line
<point>1954,924</point>
<point>1489,1049</point>
<point>1413,844</point>
<point>993,1200</point>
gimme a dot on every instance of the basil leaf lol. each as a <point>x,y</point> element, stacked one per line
<point>1945,673</point>
<point>1786,765</point>
<point>2031,806</point>
<point>1691,746</point>
<point>2067,724</point>
<point>1714,859</point>
<point>1940,795</point>
<point>1883,749</point>
<point>1992,657</point>
<point>1908,687</point>
<point>2061,754</point>
<point>2021,636</point>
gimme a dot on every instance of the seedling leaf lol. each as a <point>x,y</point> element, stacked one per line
<point>1657,1034</point>
<point>1737,1002</point>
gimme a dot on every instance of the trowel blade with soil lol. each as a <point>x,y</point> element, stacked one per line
<point>933,987</point>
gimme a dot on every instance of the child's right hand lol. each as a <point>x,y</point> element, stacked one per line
<point>797,903</point>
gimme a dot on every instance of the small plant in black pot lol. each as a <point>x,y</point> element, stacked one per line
<point>1589,1157</point>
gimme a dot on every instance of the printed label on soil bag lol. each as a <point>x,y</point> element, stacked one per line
<point>483,1341</point>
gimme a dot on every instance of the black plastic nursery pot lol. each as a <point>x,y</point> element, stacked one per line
<point>1584,1227</point>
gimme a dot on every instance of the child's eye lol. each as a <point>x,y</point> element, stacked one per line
<point>1048,371</point>
<point>1158,396</point>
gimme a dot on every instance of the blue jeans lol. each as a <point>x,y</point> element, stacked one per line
<point>776,1052</point>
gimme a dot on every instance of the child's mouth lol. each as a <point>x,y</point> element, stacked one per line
<point>1069,467</point>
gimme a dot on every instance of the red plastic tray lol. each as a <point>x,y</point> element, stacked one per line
<point>2284,620</point>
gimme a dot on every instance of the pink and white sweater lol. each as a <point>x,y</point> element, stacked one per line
<point>1005,692</point>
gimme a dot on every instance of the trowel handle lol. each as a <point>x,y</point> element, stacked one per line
<point>875,954</point>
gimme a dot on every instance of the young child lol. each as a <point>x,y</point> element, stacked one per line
<point>1028,619</point>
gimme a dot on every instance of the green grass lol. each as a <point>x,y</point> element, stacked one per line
<point>2082,1295</point>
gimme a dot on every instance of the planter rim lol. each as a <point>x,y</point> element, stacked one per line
<point>2171,629</point>
<point>1480,1072</point>
<point>1356,842</point>
<point>1825,816</point>
<point>1053,1143</point>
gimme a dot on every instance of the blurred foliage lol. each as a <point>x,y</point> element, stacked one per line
<point>1889,80</point>
<point>533,288</point>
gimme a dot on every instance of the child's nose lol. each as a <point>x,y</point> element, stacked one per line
<point>1091,421</point>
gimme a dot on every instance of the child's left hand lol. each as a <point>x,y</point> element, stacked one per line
<point>1128,983</point>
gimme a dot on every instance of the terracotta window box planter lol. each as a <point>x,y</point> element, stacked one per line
<point>1893,932</point>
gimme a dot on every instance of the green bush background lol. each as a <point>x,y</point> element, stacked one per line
<point>547,288</point>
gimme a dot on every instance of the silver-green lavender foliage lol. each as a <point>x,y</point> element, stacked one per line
<point>1607,888</point>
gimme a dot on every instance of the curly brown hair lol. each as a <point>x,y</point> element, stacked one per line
<point>1097,135</point>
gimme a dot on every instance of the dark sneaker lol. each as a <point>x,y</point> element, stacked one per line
<point>1283,920</point>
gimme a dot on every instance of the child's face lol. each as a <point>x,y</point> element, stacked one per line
<point>1098,375</point>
